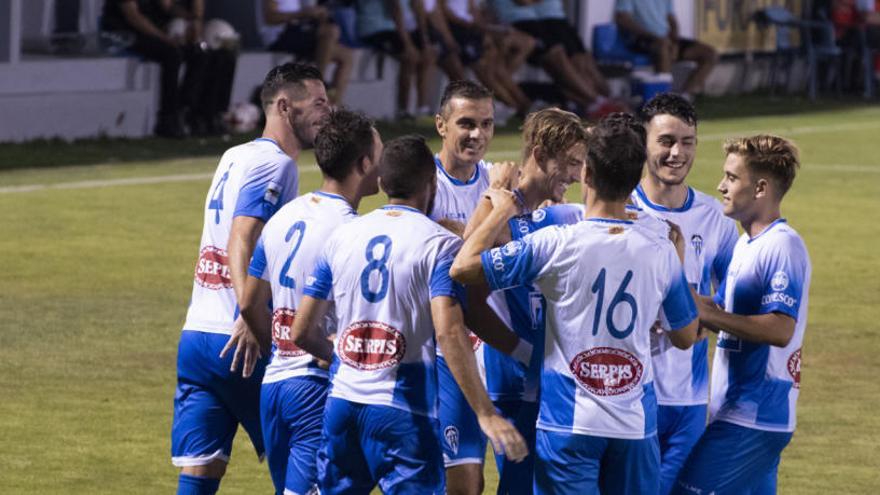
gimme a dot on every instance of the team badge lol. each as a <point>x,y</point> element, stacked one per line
<point>539,215</point>
<point>450,433</point>
<point>273,193</point>
<point>779,282</point>
<point>697,243</point>
<point>511,248</point>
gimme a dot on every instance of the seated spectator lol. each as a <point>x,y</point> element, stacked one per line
<point>551,53</point>
<point>141,26</point>
<point>308,33</point>
<point>390,26</point>
<point>652,28</point>
<point>473,48</point>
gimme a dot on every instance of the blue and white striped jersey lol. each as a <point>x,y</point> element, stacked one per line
<point>681,376</point>
<point>254,179</point>
<point>285,256</point>
<point>757,385</point>
<point>382,270</point>
<point>604,281</point>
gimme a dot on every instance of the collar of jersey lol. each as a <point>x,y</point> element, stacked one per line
<point>609,220</point>
<point>268,140</point>
<point>330,195</point>
<point>452,179</point>
<point>768,228</point>
<point>401,207</point>
<point>688,202</point>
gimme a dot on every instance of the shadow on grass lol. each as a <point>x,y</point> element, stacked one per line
<point>59,153</point>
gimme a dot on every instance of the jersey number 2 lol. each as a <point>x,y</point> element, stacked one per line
<point>620,297</point>
<point>374,265</point>
<point>298,229</point>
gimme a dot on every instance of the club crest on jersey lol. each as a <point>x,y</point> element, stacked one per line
<point>606,371</point>
<point>511,248</point>
<point>794,368</point>
<point>779,282</point>
<point>697,243</point>
<point>282,323</point>
<point>212,269</point>
<point>450,434</point>
<point>615,229</point>
<point>371,345</point>
<point>539,215</point>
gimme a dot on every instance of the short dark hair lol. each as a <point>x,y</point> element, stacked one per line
<point>343,139</point>
<point>407,165</point>
<point>766,154</point>
<point>286,74</point>
<point>616,153</point>
<point>669,104</point>
<point>469,90</point>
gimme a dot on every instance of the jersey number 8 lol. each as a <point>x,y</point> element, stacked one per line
<point>374,265</point>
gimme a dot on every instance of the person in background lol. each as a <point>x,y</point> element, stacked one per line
<point>309,33</point>
<point>652,28</point>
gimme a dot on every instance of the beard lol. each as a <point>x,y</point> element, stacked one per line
<point>304,133</point>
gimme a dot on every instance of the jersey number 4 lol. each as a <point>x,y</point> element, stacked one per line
<point>376,265</point>
<point>620,297</point>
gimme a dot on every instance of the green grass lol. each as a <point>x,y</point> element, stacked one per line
<point>97,280</point>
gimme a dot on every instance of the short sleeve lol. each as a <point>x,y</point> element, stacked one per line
<point>320,284</point>
<point>262,191</point>
<point>564,214</point>
<point>678,308</point>
<point>441,284</point>
<point>783,274</point>
<point>521,261</point>
<point>257,267</point>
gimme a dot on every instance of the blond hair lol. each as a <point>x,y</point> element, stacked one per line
<point>554,130</point>
<point>766,154</point>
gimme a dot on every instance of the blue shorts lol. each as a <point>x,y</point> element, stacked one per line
<point>463,440</point>
<point>210,402</point>
<point>518,477</point>
<point>583,464</point>
<point>748,465</point>
<point>292,414</point>
<point>678,429</point>
<point>366,445</point>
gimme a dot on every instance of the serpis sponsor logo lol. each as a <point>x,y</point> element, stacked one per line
<point>794,368</point>
<point>606,371</point>
<point>371,345</point>
<point>212,269</point>
<point>282,323</point>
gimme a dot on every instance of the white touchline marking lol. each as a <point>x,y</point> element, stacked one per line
<point>501,155</point>
<point>128,181</point>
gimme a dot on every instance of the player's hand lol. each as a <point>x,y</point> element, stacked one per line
<point>504,175</point>
<point>505,439</point>
<point>677,239</point>
<point>247,348</point>
<point>503,201</point>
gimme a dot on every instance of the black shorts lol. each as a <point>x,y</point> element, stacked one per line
<point>389,42</point>
<point>643,44</point>
<point>470,41</point>
<point>549,33</point>
<point>299,39</point>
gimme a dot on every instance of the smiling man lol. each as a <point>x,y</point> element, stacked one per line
<point>681,375</point>
<point>762,310</point>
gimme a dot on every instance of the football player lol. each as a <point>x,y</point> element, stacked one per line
<point>252,182</point>
<point>387,274</point>
<point>762,309</point>
<point>347,149</point>
<point>681,376</point>
<point>604,280</point>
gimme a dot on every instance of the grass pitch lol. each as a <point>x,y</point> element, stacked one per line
<point>98,277</point>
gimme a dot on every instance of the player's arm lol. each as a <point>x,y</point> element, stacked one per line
<point>774,328</point>
<point>242,239</point>
<point>467,267</point>
<point>307,332</point>
<point>502,175</point>
<point>453,340</point>
<point>486,325</point>
<point>251,340</point>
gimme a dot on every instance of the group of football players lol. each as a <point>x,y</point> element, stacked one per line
<point>479,306</point>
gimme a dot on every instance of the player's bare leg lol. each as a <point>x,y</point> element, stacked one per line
<point>560,68</point>
<point>464,479</point>
<point>328,36</point>
<point>706,57</point>
<point>585,64</point>
<point>342,57</point>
